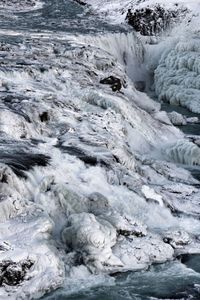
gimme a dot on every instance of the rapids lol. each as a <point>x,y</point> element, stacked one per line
<point>97,194</point>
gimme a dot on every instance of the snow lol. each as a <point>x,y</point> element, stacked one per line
<point>111,189</point>
<point>177,119</point>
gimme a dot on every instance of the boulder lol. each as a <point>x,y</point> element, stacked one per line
<point>13,273</point>
<point>114,82</point>
<point>151,21</point>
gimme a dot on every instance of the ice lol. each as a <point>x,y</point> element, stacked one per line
<point>177,76</point>
<point>88,177</point>
<point>139,253</point>
<point>150,194</point>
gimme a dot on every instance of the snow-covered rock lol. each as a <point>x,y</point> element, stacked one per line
<point>139,253</point>
<point>154,19</point>
<point>177,119</point>
<point>23,5</point>
<point>177,239</point>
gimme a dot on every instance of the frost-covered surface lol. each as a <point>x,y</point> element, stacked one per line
<point>177,78</point>
<point>179,119</point>
<point>87,172</point>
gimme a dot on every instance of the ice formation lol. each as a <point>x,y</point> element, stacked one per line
<point>177,78</point>
<point>88,171</point>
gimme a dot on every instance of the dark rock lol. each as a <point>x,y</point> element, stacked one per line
<point>44,117</point>
<point>43,69</point>
<point>80,2</point>
<point>130,232</point>
<point>114,82</point>
<point>12,273</point>
<point>153,20</point>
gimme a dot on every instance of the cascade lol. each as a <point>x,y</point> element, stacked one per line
<point>127,49</point>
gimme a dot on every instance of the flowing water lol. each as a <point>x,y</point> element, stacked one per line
<point>170,281</point>
<point>61,21</point>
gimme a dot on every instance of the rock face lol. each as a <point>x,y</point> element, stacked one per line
<point>80,2</point>
<point>12,273</point>
<point>153,20</point>
<point>114,82</point>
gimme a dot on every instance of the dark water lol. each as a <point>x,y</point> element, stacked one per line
<point>57,15</point>
<point>174,280</point>
<point>189,129</point>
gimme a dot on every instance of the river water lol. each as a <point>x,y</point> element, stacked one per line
<point>170,281</point>
<point>173,280</point>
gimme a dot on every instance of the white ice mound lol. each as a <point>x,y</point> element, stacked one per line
<point>15,125</point>
<point>28,239</point>
<point>138,253</point>
<point>93,237</point>
<point>177,77</point>
<point>180,120</point>
<point>110,242</point>
<point>183,152</point>
<point>177,119</point>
